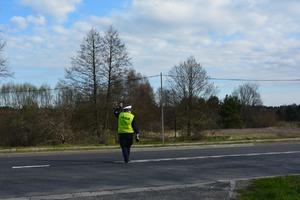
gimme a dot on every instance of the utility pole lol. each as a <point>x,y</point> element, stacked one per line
<point>162,110</point>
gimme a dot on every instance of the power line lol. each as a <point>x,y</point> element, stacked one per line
<point>134,79</point>
<point>240,79</point>
<point>70,88</point>
<point>148,77</point>
<point>258,80</point>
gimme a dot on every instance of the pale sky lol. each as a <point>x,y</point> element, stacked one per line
<point>250,39</point>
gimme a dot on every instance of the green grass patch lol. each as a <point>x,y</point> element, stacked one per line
<point>278,188</point>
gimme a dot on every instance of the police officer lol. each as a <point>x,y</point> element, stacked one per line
<point>126,129</point>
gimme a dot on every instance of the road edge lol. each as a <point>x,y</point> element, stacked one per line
<point>137,147</point>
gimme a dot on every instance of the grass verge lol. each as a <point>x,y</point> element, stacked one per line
<point>277,188</point>
<point>83,147</point>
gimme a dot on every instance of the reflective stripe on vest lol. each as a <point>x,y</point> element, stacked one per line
<point>124,122</point>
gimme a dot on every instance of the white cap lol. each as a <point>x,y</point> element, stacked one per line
<point>127,108</point>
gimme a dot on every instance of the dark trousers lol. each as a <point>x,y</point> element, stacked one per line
<point>126,141</point>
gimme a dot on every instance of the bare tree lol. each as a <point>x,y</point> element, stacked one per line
<point>97,67</point>
<point>116,59</point>
<point>84,74</point>
<point>46,99</point>
<point>188,80</point>
<point>138,92</point>
<point>4,71</point>
<point>248,94</point>
<point>19,95</point>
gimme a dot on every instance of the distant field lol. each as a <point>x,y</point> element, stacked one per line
<point>254,133</point>
<point>219,136</point>
<point>227,134</point>
<point>155,138</point>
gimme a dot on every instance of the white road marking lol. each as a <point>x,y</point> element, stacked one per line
<point>30,166</point>
<point>100,193</point>
<point>116,191</point>
<point>256,177</point>
<point>217,156</point>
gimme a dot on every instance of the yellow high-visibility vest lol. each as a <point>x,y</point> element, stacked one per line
<point>124,122</point>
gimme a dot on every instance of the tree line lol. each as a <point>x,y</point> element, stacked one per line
<point>79,109</point>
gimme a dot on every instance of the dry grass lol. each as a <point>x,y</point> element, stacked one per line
<point>254,133</point>
<point>228,134</point>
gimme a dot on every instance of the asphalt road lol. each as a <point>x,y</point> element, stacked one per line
<point>170,169</point>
